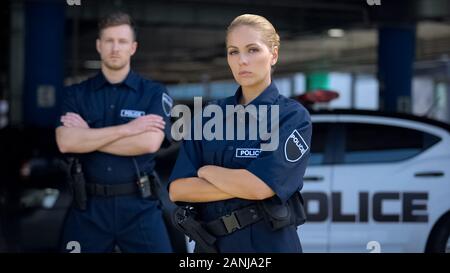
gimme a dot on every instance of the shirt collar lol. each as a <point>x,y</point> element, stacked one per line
<point>132,81</point>
<point>267,97</point>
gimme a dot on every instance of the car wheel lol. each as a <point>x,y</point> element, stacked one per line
<point>439,241</point>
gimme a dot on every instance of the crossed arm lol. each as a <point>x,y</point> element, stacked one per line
<point>216,183</point>
<point>140,136</point>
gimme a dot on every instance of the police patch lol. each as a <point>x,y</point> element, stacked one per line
<point>125,113</point>
<point>247,152</point>
<point>295,147</point>
<point>167,103</point>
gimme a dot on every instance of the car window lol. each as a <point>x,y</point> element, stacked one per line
<point>370,143</point>
<point>318,142</point>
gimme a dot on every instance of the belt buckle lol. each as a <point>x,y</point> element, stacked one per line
<point>231,222</point>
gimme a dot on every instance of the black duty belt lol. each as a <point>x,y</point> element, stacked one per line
<point>111,190</point>
<point>238,219</point>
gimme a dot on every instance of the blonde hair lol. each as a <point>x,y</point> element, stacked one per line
<point>269,35</point>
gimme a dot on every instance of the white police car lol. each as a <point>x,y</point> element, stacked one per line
<point>377,183</point>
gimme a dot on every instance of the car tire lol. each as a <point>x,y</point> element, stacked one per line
<point>439,241</point>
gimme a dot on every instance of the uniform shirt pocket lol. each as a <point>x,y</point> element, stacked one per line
<point>243,155</point>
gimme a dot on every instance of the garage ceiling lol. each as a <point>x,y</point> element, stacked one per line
<point>183,41</point>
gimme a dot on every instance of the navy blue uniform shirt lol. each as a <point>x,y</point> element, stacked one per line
<point>282,169</point>
<point>102,104</point>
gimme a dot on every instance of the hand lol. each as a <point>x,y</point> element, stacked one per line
<point>147,123</point>
<point>203,171</point>
<point>73,120</point>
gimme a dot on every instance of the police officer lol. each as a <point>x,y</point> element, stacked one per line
<point>226,181</point>
<point>114,123</point>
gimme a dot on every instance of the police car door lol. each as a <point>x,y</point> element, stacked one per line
<point>377,204</point>
<point>314,234</point>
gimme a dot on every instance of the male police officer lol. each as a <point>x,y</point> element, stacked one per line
<point>114,122</point>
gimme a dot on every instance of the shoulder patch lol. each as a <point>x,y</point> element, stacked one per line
<point>295,147</point>
<point>167,103</point>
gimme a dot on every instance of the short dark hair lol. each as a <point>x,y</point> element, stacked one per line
<point>116,19</point>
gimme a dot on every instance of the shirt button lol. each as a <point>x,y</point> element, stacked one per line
<point>112,106</point>
<point>230,148</point>
<point>109,169</point>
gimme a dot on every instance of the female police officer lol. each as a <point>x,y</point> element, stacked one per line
<point>224,179</point>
